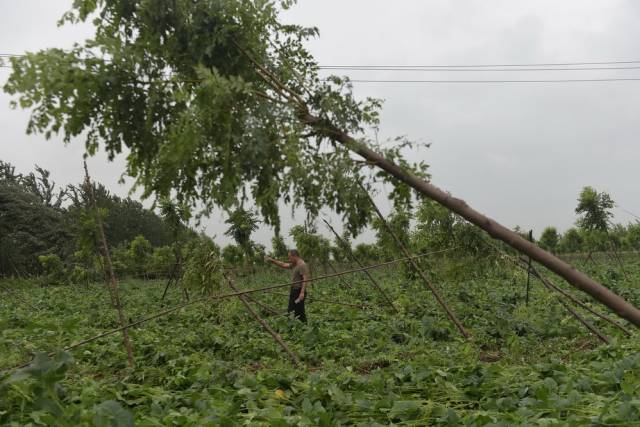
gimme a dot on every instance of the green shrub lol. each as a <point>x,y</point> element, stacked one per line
<point>53,270</point>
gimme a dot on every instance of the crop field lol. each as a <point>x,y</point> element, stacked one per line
<point>237,237</point>
<point>212,364</point>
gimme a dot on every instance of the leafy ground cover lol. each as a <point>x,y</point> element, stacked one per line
<point>212,364</point>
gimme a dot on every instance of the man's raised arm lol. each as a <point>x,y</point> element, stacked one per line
<point>276,262</point>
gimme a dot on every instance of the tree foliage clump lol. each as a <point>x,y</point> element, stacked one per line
<point>279,248</point>
<point>215,102</point>
<point>438,229</point>
<point>242,223</point>
<point>203,267</point>
<point>313,247</point>
<point>233,256</point>
<point>595,210</point>
<point>53,270</point>
<point>31,224</point>
<point>549,239</point>
<point>400,223</point>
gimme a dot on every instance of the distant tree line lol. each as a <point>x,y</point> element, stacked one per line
<point>46,229</point>
<point>49,231</point>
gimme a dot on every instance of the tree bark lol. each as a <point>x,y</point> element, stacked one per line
<point>575,277</point>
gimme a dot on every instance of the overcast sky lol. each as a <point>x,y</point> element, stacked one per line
<point>519,153</point>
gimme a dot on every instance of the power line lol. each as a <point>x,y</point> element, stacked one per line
<point>476,67</point>
<point>547,64</point>
<point>461,66</point>
<point>496,81</point>
<point>468,69</point>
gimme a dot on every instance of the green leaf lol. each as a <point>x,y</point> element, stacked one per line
<point>111,414</point>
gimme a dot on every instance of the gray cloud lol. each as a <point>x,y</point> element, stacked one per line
<point>518,152</point>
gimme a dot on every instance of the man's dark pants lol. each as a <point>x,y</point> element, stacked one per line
<point>298,308</point>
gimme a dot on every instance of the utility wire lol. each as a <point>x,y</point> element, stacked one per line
<point>496,81</point>
<point>548,64</point>
<point>476,68</point>
<point>544,64</point>
<point>439,69</point>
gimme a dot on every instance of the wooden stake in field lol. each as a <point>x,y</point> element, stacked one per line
<point>176,277</point>
<point>365,272</point>
<point>573,299</point>
<point>115,295</point>
<point>334,270</point>
<point>344,283</point>
<point>416,268</point>
<point>264,306</point>
<point>264,324</point>
<point>552,288</point>
<point>526,298</point>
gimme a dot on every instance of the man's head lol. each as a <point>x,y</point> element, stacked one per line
<point>294,256</point>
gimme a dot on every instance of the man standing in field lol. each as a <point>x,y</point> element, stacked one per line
<point>298,282</point>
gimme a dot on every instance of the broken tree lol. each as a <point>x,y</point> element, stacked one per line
<point>220,104</point>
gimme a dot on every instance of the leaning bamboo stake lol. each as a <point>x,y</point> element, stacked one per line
<point>591,327</point>
<point>575,300</point>
<point>617,258</point>
<point>357,290</point>
<point>342,282</point>
<point>264,324</point>
<point>115,296</point>
<point>581,319</point>
<point>357,261</point>
<point>416,268</point>
<point>270,309</point>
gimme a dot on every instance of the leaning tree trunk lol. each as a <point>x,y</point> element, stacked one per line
<point>460,207</point>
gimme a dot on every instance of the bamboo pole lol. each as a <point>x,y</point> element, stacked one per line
<point>357,290</point>
<point>575,300</point>
<point>264,324</point>
<point>263,305</point>
<point>115,295</point>
<point>342,282</point>
<point>171,278</point>
<point>416,268</point>
<point>357,261</point>
<point>526,298</point>
<point>591,327</point>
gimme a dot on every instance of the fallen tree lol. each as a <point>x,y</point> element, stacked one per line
<point>219,102</point>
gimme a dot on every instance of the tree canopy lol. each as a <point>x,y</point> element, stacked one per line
<point>595,209</point>
<point>211,102</point>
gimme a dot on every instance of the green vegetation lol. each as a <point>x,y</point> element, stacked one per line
<point>212,364</point>
<point>42,223</point>
<point>219,105</point>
